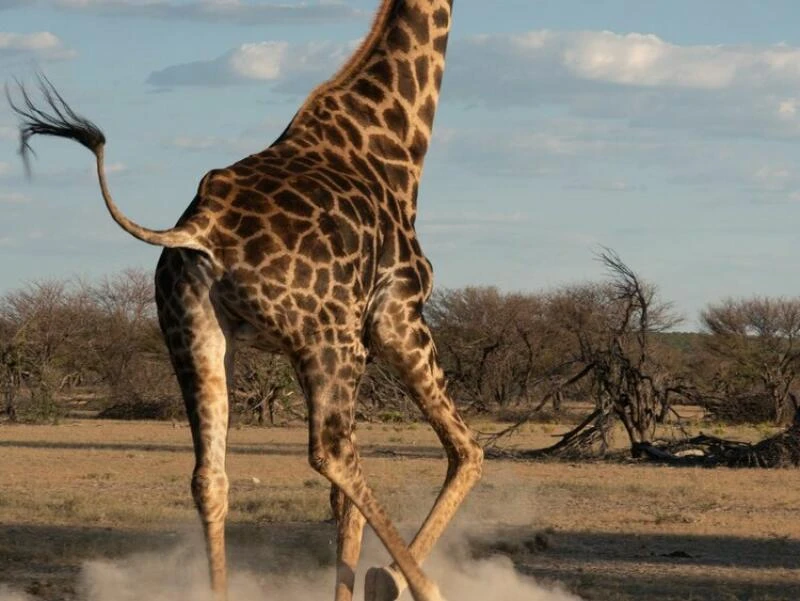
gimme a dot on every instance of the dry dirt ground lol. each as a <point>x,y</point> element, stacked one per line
<point>99,511</point>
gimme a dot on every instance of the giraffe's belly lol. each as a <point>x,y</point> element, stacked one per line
<point>291,320</point>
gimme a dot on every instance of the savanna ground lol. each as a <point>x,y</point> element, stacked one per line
<point>88,490</point>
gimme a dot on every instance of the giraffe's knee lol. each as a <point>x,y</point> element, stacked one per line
<point>318,460</point>
<point>333,458</point>
<point>474,459</point>
<point>332,451</point>
<point>466,460</point>
<point>210,494</point>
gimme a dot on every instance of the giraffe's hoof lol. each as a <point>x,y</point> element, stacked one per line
<point>383,584</point>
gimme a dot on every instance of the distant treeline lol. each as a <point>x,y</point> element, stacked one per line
<point>97,346</point>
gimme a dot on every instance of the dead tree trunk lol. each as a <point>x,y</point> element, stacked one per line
<point>780,450</point>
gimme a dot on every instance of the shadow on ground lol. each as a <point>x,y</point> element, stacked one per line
<point>45,561</point>
<point>266,449</point>
<point>622,567</point>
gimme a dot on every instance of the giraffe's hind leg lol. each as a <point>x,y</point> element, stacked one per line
<point>329,377</point>
<point>403,339</point>
<point>202,356</point>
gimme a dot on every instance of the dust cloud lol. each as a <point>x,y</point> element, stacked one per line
<point>296,565</point>
<point>6,594</point>
<point>179,574</point>
<point>492,579</point>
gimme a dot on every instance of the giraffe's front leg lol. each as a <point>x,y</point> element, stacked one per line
<point>383,584</point>
<point>406,343</point>
<point>329,377</point>
<point>349,532</point>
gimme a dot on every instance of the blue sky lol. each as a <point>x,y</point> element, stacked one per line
<point>667,130</point>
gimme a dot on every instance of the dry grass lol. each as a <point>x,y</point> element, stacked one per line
<point>606,531</point>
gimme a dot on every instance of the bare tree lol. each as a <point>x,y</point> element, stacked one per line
<point>494,345</point>
<point>758,340</point>
<point>11,366</point>
<point>606,330</point>
<point>39,321</point>
<point>382,396</point>
<point>121,333</point>
<point>628,376</point>
<point>264,385</point>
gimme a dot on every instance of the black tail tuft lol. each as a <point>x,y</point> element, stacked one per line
<point>62,121</point>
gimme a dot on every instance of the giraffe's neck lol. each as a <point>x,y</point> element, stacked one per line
<point>387,91</point>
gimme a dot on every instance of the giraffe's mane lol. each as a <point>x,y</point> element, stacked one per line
<point>356,60</point>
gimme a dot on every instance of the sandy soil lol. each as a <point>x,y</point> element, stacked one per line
<point>92,510</point>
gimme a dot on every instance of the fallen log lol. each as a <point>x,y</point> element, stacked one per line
<point>780,450</point>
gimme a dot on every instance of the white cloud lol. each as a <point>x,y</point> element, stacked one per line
<point>467,218</point>
<point>633,59</point>
<point>787,109</point>
<point>291,68</point>
<point>43,45</point>
<point>231,11</point>
<point>13,198</point>
<point>636,78</point>
<point>605,185</point>
<point>645,60</point>
<point>547,145</point>
<point>613,159</point>
<point>607,111</point>
<point>244,143</point>
<point>774,178</point>
<point>114,168</point>
<point>261,61</point>
<point>191,143</point>
<point>8,133</point>
<point>46,175</point>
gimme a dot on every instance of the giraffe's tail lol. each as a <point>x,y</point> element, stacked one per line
<point>63,122</point>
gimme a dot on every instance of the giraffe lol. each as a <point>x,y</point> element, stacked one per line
<point>309,248</point>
